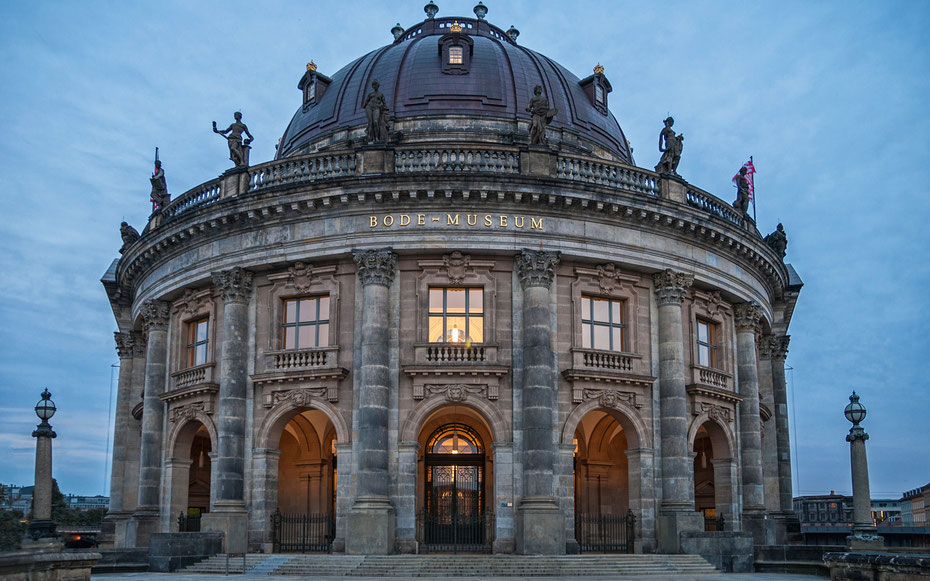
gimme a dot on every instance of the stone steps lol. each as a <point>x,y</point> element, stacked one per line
<point>460,565</point>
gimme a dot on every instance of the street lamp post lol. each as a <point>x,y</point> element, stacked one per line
<point>864,535</point>
<point>42,526</point>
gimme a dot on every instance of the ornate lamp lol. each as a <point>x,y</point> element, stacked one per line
<point>430,9</point>
<point>513,33</point>
<point>397,31</point>
<point>863,535</point>
<point>45,409</point>
<point>42,526</point>
<point>480,11</point>
<point>855,412</point>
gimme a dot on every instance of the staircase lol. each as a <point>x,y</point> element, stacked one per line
<point>430,566</point>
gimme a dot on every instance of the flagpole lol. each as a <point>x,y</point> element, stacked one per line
<point>753,189</point>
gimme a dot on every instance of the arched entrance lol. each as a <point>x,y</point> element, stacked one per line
<point>603,520</point>
<point>456,478</point>
<point>189,472</point>
<point>713,476</point>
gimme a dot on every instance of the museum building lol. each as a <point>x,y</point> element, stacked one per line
<point>451,314</point>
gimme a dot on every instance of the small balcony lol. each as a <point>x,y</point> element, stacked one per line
<point>304,365</point>
<point>454,353</point>
<point>192,376</point>
<point>299,359</point>
<point>710,377</point>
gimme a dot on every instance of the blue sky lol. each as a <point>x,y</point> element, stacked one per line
<point>829,98</point>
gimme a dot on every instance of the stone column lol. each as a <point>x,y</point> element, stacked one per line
<point>540,524</point>
<point>783,441</point>
<point>504,539</point>
<point>145,518</point>
<point>228,513</point>
<point>372,521</point>
<point>725,492</point>
<point>642,497</point>
<point>264,495</point>
<point>863,537</point>
<point>177,486</point>
<point>767,429</point>
<point>40,534</point>
<point>119,513</point>
<point>676,511</point>
<point>406,497</point>
<point>134,437</point>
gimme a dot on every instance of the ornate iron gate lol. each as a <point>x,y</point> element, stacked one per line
<point>454,520</point>
<point>605,533</point>
<point>302,533</point>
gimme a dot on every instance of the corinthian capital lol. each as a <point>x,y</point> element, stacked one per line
<point>155,315</point>
<point>124,344</point>
<point>234,285</point>
<point>671,286</point>
<point>780,351</point>
<point>375,266</point>
<point>746,316</point>
<point>536,267</point>
<point>139,344</point>
<point>767,346</point>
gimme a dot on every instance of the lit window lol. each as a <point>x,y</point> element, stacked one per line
<point>599,93</point>
<point>306,322</point>
<point>603,324</point>
<point>456,315</point>
<point>197,339</point>
<point>454,439</point>
<point>707,344</point>
<point>455,55</point>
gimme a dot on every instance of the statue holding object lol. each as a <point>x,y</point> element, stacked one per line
<point>542,116</point>
<point>376,110</point>
<point>238,149</point>
<point>741,203</point>
<point>160,196</point>
<point>670,145</point>
<point>778,240</point>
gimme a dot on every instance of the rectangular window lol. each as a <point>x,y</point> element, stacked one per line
<point>707,344</point>
<point>197,339</point>
<point>603,324</point>
<point>598,93</point>
<point>456,315</point>
<point>306,322</point>
<point>455,55</point>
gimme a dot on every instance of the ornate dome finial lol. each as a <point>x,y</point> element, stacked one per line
<point>397,31</point>
<point>599,69</point>
<point>430,9</point>
<point>480,10</point>
<point>311,66</point>
<point>455,27</point>
<point>513,33</point>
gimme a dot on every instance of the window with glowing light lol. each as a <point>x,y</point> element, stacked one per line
<point>306,322</point>
<point>454,439</point>
<point>603,324</point>
<point>455,55</point>
<point>456,315</point>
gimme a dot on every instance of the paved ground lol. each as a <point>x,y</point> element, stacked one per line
<point>717,577</point>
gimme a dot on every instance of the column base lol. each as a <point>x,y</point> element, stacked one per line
<point>370,527</point>
<point>540,526</point>
<point>406,546</point>
<point>113,530</point>
<point>674,522</point>
<point>140,528</point>
<point>865,540</point>
<point>762,527</point>
<point>232,519</point>
<point>787,529</point>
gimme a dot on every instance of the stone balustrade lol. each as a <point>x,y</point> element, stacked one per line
<point>713,205</point>
<point>594,359</point>
<point>608,174</point>
<point>192,376</point>
<point>457,160</point>
<point>292,360</point>
<point>202,195</point>
<point>301,170</point>
<point>711,377</point>
<point>454,353</point>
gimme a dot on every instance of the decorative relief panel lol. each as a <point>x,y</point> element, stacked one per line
<point>301,397</point>
<point>454,392</point>
<point>612,398</point>
<point>190,411</point>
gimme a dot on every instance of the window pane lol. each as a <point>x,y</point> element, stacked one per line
<point>455,329</point>
<point>601,337</point>
<point>475,300</point>
<point>455,55</point>
<point>306,336</point>
<point>703,355</point>
<point>307,311</point>
<point>586,335</point>
<point>289,342</point>
<point>202,331</point>
<point>616,312</point>
<point>435,300</point>
<point>600,310</point>
<point>290,311</point>
<point>200,356</point>
<point>617,344</point>
<point>585,308</point>
<point>324,308</point>
<point>702,332</point>
<point>324,335</point>
<point>455,300</point>
<point>435,330</point>
<point>476,329</point>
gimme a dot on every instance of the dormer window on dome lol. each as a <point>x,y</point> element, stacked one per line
<point>455,50</point>
<point>596,88</point>
<point>313,85</point>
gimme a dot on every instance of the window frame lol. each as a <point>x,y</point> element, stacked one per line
<point>316,323</point>
<point>712,344</point>
<point>455,55</point>
<point>193,306</point>
<point>446,315</point>
<point>191,349</point>
<point>593,323</point>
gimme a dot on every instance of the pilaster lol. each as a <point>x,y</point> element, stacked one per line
<point>117,515</point>
<point>746,321</point>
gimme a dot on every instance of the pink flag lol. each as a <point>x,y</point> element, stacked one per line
<point>750,169</point>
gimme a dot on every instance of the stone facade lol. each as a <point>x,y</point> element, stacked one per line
<point>384,336</point>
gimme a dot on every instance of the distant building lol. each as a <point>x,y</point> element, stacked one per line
<point>16,497</point>
<point>914,505</point>
<point>886,511</point>
<point>87,502</point>
<point>824,510</point>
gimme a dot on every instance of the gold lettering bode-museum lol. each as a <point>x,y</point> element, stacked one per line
<point>476,220</point>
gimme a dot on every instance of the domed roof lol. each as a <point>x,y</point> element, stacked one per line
<point>497,86</point>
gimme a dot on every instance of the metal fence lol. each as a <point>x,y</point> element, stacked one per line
<point>302,533</point>
<point>455,533</point>
<point>605,533</point>
<point>188,524</point>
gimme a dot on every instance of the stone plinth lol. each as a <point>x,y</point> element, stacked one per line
<point>731,552</point>
<point>761,526</point>
<point>374,160</point>
<point>232,520</point>
<point>371,527</point>
<point>672,523</point>
<point>540,527</point>
<point>169,552</point>
<point>47,565</point>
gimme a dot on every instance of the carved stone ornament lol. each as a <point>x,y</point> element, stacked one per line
<point>139,344</point>
<point>299,397</point>
<point>713,304</point>
<point>375,266</point>
<point>536,267</point>
<point>301,276</point>
<point>716,412</point>
<point>767,346</point>
<point>780,351</point>
<point>455,392</point>
<point>187,412</point>
<point>124,344</point>
<point>747,316</point>
<point>190,303</point>
<point>778,241</point>
<point>234,285</point>
<point>128,234</point>
<point>608,277</point>
<point>671,286</point>
<point>610,398</point>
<point>456,266</point>
<point>155,315</point>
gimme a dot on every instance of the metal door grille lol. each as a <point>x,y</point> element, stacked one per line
<point>605,533</point>
<point>302,533</point>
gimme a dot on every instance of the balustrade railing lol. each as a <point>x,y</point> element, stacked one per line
<point>202,195</point>
<point>607,360</point>
<point>290,360</point>
<point>301,170</point>
<point>464,160</point>
<point>192,376</point>
<point>712,377</point>
<point>443,353</point>
<point>714,206</point>
<point>599,172</point>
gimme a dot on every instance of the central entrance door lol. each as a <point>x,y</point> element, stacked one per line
<point>454,518</point>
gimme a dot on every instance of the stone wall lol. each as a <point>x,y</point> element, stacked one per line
<point>877,566</point>
<point>169,552</point>
<point>47,566</point>
<point>728,551</point>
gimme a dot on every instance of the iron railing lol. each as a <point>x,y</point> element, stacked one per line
<point>188,524</point>
<point>455,533</point>
<point>605,533</point>
<point>302,533</point>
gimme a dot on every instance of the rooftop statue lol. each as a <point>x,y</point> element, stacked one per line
<point>160,196</point>
<point>376,110</point>
<point>670,145</point>
<point>778,240</point>
<point>542,116</point>
<point>233,135</point>
<point>128,234</point>
<point>741,204</point>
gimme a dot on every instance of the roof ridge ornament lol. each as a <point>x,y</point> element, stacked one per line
<point>599,69</point>
<point>480,10</point>
<point>311,66</point>
<point>513,33</point>
<point>397,31</point>
<point>431,10</point>
<point>456,27</point>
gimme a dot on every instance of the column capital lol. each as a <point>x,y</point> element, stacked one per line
<point>234,285</point>
<point>155,315</point>
<point>767,346</point>
<point>746,316</point>
<point>139,344</point>
<point>536,267</point>
<point>671,286</point>
<point>124,344</point>
<point>375,266</point>
<point>780,351</point>
<point>856,433</point>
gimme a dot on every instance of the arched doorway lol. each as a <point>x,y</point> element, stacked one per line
<point>713,476</point>
<point>189,472</point>
<point>198,487</point>
<point>603,520</point>
<point>456,479</point>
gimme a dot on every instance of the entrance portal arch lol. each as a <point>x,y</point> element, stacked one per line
<point>189,473</point>
<point>714,474</point>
